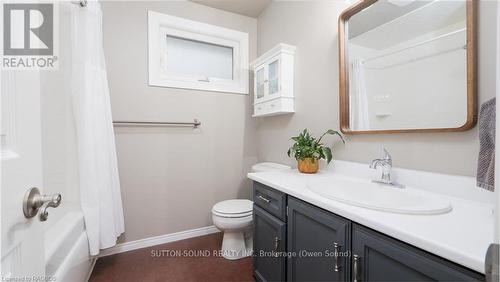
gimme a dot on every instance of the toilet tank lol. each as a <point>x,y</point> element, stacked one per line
<point>267,166</point>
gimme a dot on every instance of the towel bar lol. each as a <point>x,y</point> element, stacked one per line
<point>195,124</point>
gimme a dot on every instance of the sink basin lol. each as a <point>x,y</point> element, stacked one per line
<point>380,197</point>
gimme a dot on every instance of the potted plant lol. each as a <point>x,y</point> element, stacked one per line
<point>308,150</point>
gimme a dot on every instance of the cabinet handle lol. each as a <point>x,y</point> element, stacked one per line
<point>264,199</point>
<point>355,268</point>
<point>336,249</point>
<point>276,245</point>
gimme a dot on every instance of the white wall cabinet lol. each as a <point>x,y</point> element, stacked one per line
<point>273,81</point>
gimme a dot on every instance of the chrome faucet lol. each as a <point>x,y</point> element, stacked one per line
<point>386,164</point>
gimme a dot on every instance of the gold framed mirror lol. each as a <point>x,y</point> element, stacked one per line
<point>408,66</point>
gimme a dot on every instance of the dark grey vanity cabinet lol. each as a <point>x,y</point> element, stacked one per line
<point>320,242</point>
<point>376,257</point>
<point>269,240</point>
<point>269,244</point>
<point>316,245</point>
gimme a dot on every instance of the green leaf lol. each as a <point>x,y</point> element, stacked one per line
<point>331,131</point>
<point>328,153</point>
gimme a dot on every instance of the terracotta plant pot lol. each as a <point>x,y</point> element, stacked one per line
<point>308,165</point>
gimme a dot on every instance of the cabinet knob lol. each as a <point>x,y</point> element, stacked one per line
<point>336,249</point>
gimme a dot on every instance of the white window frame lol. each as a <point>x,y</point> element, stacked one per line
<point>160,26</point>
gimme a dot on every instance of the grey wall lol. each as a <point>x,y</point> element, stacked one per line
<point>171,177</point>
<point>312,27</point>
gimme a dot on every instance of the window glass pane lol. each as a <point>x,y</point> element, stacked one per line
<point>273,86</point>
<point>273,77</point>
<point>198,59</point>
<point>273,70</point>
<point>260,83</point>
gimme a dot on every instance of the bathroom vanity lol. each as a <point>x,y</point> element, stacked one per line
<point>301,235</point>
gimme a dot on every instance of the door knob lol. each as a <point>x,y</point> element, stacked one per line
<point>33,201</point>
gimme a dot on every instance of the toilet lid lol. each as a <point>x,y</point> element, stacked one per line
<point>236,206</point>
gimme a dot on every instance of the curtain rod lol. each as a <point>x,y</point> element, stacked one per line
<point>416,45</point>
<point>464,47</point>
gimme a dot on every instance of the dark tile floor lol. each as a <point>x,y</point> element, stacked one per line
<point>186,260</point>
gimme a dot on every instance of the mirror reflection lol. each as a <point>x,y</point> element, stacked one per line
<point>407,65</point>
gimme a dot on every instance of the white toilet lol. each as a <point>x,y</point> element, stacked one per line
<point>234,218</point>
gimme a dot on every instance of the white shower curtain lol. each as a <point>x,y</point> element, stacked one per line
<point>98,169</point>
<point>359,118</point>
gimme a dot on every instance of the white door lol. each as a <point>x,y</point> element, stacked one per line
<point>22,247</point>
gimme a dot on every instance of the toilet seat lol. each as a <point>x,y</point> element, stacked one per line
<point>232,215</point>
<point>233,208</point>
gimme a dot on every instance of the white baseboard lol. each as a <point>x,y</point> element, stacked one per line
<point>91,269</point>
<point>158,240</point>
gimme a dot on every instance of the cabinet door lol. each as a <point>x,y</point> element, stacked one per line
<point>260,82</point>
<point>319,242</point>
<point>274,77</point>
<point>269,243</point>
<point>377,257</point>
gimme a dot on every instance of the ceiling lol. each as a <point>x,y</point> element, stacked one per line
<point>250,8</point>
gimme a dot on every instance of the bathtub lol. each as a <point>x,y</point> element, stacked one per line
<point>67,256</point>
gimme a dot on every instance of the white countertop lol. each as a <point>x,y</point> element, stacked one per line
<point>462,235</point>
